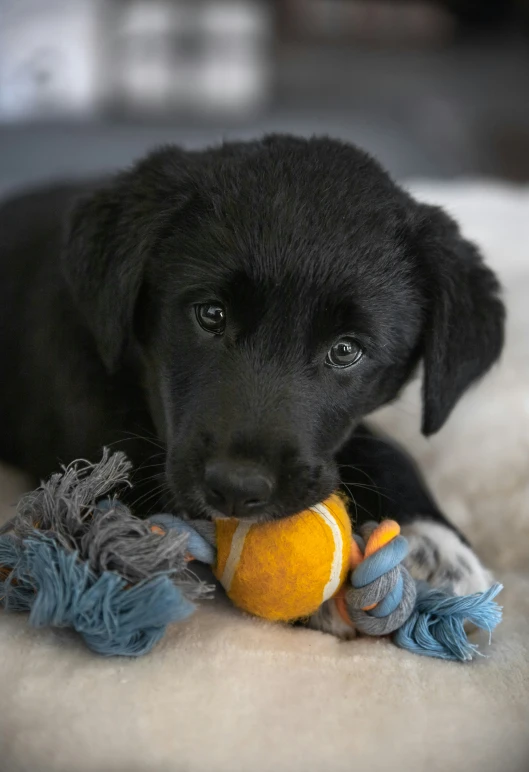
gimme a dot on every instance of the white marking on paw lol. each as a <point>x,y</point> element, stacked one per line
<point>437,555</point>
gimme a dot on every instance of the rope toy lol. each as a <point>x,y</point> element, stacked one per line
<point>75,556</point>
<point>383,598</point>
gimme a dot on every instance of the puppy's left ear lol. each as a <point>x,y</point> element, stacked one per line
<point>111,234</point>
<point>464,325</point>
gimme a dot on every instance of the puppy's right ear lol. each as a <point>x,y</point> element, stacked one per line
<point>110,236</point>
<point>464,319</point>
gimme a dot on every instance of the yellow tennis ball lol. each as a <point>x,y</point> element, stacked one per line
<point>285,569</point>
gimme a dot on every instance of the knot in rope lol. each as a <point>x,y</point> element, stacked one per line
<point>381,594</point>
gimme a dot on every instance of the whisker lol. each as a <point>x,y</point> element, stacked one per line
<point>143,467</point>
<point>357,469</point>
<point>118,441</point>
<point>374,487</point>
<point>156,476</point>
<point>151,494</point>
<point>379,491</point>
<point>352,499</point>
<point>356,504</point>
<point>144,438</point>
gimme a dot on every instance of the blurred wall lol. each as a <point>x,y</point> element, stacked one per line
<point>172,57</point>
<point>432,87</point>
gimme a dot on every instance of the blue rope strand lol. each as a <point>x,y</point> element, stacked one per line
<point>380,562</point>
<point>435,626</point>
<point>198,547</point>
<point>60,591</point>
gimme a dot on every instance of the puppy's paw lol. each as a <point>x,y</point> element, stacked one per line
<point>328,620</point>
<point>438,556</point>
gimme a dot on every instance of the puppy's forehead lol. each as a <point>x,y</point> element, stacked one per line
<point>315,229</point>
<point>299,195</point>
<point>303,246</point>
<point>315,206</point>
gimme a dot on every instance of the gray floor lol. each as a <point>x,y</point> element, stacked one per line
<point>440,114</point>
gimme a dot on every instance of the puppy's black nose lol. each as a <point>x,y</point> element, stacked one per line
<point>237,488</point>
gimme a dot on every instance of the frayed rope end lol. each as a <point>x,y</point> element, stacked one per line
<point>60,591</point>
<point>436,627</point>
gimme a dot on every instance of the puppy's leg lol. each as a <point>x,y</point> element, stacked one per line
<point>443,559</point>
<point>328,620</point>
<point>384,482</point>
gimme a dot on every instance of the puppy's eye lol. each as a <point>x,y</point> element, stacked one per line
<point>344,353</point>
<point>211,317</point>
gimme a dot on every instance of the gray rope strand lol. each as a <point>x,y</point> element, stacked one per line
<point>357,599</point>
<point>371,625</point>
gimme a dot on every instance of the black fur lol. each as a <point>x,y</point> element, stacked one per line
<point>303,241</point>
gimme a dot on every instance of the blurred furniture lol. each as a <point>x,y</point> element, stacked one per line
<point>200,56</point>
<point>80,58</point>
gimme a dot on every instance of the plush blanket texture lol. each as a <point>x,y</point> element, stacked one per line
<point>226,693</point>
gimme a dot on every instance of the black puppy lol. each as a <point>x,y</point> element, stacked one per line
<point>247,305</point>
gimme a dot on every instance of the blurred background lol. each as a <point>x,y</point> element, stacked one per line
<point>434,88</point>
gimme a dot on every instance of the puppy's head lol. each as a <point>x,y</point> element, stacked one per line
<point>272,294</point>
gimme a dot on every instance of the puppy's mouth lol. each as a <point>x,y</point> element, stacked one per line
<point>296,490</point>
<point>193,506</point>
<point>197,508</point>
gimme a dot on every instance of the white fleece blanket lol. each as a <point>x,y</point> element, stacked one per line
<point>225,693</point>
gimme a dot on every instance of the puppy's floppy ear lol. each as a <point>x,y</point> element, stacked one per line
<point>110,236</point>
<point>464,325</point>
